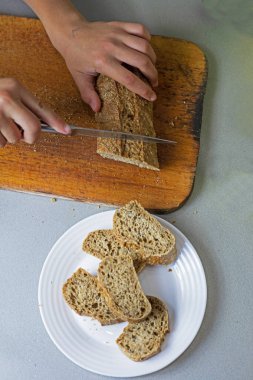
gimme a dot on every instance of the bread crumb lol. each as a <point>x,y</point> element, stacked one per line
<point>169,270</point>
<point>53,200</point>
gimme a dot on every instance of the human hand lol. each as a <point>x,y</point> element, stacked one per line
<point>20,114</point>
<point>91,48</point>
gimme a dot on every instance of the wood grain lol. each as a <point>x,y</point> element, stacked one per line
<point>69,166</point>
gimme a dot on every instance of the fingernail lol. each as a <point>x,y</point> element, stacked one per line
<point>95,105</point>
<point>67,128</point>
<point>153,97</point>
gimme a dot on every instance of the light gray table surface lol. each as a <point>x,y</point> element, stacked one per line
<point>218,217</point>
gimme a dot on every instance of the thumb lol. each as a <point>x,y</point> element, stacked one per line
<point>86,86</point>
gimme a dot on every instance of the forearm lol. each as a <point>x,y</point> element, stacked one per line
<point>92,48</point>
<point>54,11</point>
<point>56,16</point>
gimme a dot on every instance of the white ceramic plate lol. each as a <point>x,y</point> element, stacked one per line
<point>92,346</point>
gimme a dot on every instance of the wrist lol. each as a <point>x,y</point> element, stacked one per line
<point>61,31</point>
<point>60,28</point>
<point>59,18</point>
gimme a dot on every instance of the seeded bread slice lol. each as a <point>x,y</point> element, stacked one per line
<point>123,110</point>
<point>133,225</point>
<point>104,243</point>
<point>122,289</point>
<point>141,340</point>
<point>84,295</point>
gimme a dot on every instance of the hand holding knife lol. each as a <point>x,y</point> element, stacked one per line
<point>104,133</point>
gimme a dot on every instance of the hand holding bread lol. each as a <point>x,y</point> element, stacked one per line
<point>92,48</point>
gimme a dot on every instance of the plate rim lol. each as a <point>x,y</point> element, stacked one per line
<point>201,316</point>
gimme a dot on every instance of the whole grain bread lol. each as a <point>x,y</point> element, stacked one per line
<point>104,243</point>
<point>85,296</point>
<point>141,340</point>
<point>134,225</point>
<point>122,290</point>
<point>123,110</point>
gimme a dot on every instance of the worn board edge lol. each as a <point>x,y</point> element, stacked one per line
<point>197,123</point>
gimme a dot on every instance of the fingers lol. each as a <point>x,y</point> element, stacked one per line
<point>119,73</point>
<point>139,44</point>
<point>133,28</point>
<point>14,112</point>
<point>23,117</point>
<point>139,60</point>
<point>9,130</point>
<point>131,46</point>
<point>43,113</point>
<point>86,86</point>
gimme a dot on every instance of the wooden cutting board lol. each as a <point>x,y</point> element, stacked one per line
<point>69,166</point>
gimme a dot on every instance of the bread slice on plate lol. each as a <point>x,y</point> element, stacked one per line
<point>134,225</point>
<point>104,243</point>
<point>141,340</point>
<point>123,110</point>
<point>122,289</point>
<point>84,295</point>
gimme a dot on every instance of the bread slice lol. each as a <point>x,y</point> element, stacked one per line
<point>134,225</point>
<point>122,289</point>
<point>141,340</point>
<point>122,110</point>
<point>84,295</point>
<point>104,243</point>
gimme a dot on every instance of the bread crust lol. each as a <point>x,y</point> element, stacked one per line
<point>123,110</point>
<point>158,254</point>
<point>104,243</point>
<point>125,285</point>
<point>138,349</point>
<point>70,289</point>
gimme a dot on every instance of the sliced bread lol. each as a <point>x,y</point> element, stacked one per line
<point>122,290</point>
<point>134,225</point>
<point>141,340</point>
<point>84,295</point>
<point>104,243</point>
<point>123,110</point>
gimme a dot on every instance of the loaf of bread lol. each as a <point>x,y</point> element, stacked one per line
<point>84,295</point>
<point>123,110</point>
<point>141,340</point>
<point>104,243</point>
<point>134,225</point>
<point>122,290</point>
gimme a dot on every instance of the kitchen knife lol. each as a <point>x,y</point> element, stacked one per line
<point>104,133</point>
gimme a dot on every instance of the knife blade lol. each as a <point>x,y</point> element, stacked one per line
<point>104,133</point>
